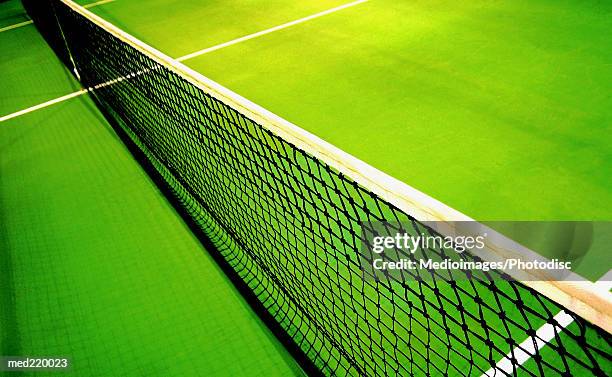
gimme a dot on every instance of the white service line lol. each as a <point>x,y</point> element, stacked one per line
<point>525,351</point>
<point>44,104</point>
<point>95,4</point>
<point>71,95</point>
<point>270,30</point>
<point>188,56</point>
<point>24,23</point>
<point>15,26</point>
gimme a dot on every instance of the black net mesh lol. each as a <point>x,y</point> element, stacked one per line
<point>290,226</point>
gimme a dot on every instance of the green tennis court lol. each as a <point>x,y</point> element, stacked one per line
<point>500,110</point>
<point>451,98</point>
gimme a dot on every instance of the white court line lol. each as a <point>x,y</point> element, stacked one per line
<point>271,30</point>
<point>95,4</point>
<point>525,351</point>
<point>24,23</point>
<point>188,56</point>
<point>15,26</point>
<point>69,96</point>
<point>44,104</point>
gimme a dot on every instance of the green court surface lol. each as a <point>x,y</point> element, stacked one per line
<point>12,14</point>
<point>501,110</point>
<point>33,77</point>
<point>456,99</point>
<point>95,264</point>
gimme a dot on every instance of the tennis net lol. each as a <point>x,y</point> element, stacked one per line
<point>285,210</point>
